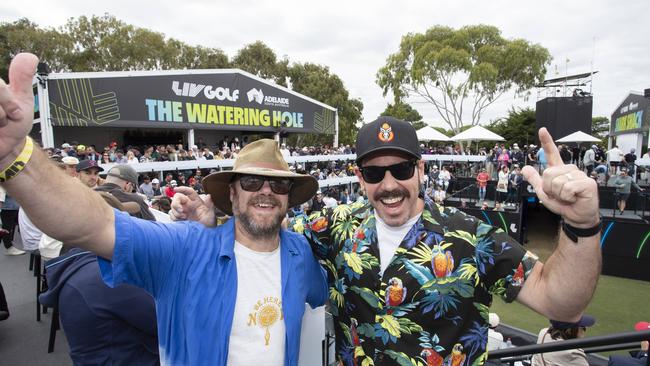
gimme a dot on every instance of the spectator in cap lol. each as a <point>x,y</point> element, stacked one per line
<point>88,172</point>
<point>69,164</point>
<point>636,358</point>
<point>169,188</point>
<point>81,151</point>
<point>67,150</point>
<point>558,331</point>
<point>317,203</point>
<point>495,339</point>
<point>155,186</point>
<point>121,181</point>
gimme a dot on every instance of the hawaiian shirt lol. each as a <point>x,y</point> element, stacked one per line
<point>431,305</point>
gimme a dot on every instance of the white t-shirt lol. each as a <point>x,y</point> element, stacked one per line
<point>389,238</point>
<point>258,333</point>
<point>615,155</point>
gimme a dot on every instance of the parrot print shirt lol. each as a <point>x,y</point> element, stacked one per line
<point>430,307</point>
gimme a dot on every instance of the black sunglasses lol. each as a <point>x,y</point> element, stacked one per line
<point>400,171</point>
<point>253,183</point>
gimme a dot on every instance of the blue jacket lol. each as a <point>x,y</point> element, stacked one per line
<point>191,272</point>
<point>103,325</point>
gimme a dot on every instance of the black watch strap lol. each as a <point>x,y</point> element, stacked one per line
<point>574,233</point>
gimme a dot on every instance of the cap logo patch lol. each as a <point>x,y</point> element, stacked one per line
<point>386,133</point>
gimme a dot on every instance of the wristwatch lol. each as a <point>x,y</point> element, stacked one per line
<point>574,233</point>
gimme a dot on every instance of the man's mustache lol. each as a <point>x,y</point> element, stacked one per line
<point>267,200</point>
<point>399,192</point>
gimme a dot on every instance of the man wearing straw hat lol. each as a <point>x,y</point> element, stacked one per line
<point>228,295</point>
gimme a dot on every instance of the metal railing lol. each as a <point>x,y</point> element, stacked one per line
<point>609,342</point>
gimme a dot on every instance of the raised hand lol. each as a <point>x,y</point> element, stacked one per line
<point>188,205</point>
<point>564,189</point>
<point>16,107</point>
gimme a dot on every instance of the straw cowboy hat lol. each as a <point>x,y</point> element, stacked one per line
<point>263,158</point>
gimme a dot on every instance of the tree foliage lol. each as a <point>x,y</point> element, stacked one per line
<point>404,112</point>
<point>518,127</point>
<point>316,81</point>
<point>103,44</point>
<point>600,127</point>
<point>462,72</point>
<point>48,44</point>
<point>258,59</point>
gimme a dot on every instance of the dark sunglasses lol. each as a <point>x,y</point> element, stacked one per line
<point>253,183</point>
<point>400,171</point>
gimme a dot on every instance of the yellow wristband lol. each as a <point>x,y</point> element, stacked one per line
<point>21,161</point>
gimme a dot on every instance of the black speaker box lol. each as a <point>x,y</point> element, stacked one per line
<point>564,115</point>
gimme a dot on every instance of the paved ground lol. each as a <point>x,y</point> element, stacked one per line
<point>23,340</point>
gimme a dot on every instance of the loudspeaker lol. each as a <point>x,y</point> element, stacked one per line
<point>564,115</point>
<point>646,93</point>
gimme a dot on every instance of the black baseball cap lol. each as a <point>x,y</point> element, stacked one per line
<point>387,133</point>
<point>88,164</point>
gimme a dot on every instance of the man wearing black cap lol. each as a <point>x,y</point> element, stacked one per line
<point>411,279</point>
<point>88,172</point>
<point>414,279</point>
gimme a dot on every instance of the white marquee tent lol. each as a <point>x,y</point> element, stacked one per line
<point>428,133</point>
<point>477,133</point>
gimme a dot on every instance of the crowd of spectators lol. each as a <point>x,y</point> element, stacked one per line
<point>502,164</point>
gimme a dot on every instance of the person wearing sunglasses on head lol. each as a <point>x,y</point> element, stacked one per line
<point>412,279</point>
<point>232,295</point>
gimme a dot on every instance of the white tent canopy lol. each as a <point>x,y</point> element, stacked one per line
<point>477,133</point>
<point>428,133</point>
<point>578,136</point>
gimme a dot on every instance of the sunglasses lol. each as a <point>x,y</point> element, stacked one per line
<point>253,183</point>
<point>400,171</point>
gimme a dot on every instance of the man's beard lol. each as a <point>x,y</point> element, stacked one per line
<point>254,228</point>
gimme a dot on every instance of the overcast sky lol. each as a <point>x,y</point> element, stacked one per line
<point>353,38</point>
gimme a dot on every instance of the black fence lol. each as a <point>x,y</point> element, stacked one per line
<point>610,342</point>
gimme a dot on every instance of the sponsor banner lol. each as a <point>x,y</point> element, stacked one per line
<point>227,101</point>
<point>631,116</point>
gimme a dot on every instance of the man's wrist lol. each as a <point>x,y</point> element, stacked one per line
<point>583,225</point>
<point>7,160</point>
<point>574,233</point>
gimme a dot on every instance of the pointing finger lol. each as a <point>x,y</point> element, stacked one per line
<point>550,150</point>
<point>187,191</point>
<point>534,179</point>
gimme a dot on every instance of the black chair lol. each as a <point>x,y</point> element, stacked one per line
<point>54,326</point>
